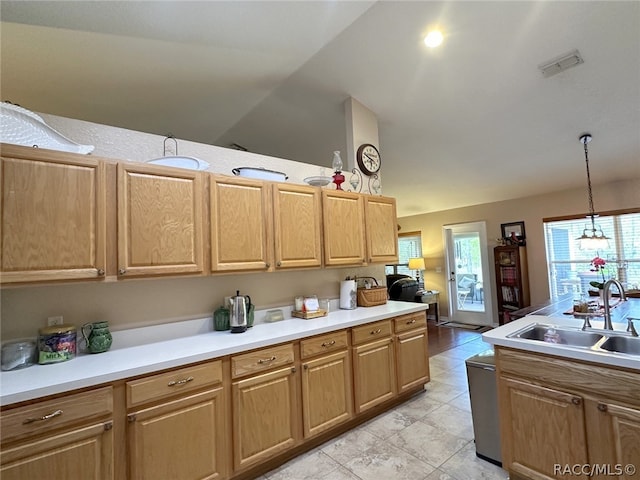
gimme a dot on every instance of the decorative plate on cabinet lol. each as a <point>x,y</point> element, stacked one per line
<point>318,181</point>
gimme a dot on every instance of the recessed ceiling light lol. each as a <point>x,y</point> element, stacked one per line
<point>433,39</point>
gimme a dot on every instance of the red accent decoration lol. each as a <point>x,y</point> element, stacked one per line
<point>338,178</point>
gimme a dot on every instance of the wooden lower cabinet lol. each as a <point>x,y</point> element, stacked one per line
<point>614,433</point>
<point>327,397</point>
<point>85,452</point>
<point>547,427</point>
<point>557,413</point>
<point>373,373</point>
<point>182,438</point>
<point>265,416</point>
<point>412,359</point>
<point>60,439</point>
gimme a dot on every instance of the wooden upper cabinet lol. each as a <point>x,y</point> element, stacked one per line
<point>344,233</point>
<point>241,224</point>
<point>382,232</point>
<point>160,220</point>
<point>297,224</point>
<point>53,224</point>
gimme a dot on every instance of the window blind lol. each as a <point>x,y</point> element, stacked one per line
<point>570,268</point>
<point>409,246</point>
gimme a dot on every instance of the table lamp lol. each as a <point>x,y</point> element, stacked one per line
<point>417,264</point>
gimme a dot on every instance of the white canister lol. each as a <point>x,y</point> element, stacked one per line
<point>348,291</point>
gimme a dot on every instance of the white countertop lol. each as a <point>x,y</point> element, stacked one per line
<point>128,357</point>
<point>500,336</point>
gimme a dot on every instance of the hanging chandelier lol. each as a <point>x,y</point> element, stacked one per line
<point>592,238</point>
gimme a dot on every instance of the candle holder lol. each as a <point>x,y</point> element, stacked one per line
<point>356,180</point>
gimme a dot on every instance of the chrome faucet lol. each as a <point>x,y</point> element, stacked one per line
<point>605,298</point>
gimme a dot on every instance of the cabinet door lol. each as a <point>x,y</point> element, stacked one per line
<point>614,436</point>
<point>182,439</point>
<point>327,397</point>
<point>412,360</point>
<point>241,226</point>
<point>373,374</point>
<point>382,229</point>
<point>343,222</point>
<point>297,220</point>
<point>540,427</point>
<point>159,220</point>
<point>265,416</point>
<point>85,453</point>
<point>53,224</point>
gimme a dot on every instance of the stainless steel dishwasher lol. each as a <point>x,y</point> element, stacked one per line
<point>481,375</point>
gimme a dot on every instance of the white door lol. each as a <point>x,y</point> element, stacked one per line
<point>470,298</point>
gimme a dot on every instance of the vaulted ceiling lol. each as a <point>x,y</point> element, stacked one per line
<point>472,121</point>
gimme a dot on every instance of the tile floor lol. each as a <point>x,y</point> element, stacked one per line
<point>429,437</point>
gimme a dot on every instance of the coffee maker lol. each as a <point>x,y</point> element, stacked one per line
<point>239,307</point>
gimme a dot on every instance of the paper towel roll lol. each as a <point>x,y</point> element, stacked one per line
<point>348,294</point>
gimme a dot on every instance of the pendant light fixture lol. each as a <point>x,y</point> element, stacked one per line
<point>593,238</point>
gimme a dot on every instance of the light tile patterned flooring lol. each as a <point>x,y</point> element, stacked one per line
<point>429,437</point>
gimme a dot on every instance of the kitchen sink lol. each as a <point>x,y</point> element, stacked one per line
<point>575,338</point>
<point>622,344</point>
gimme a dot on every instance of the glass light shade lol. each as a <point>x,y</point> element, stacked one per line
<point>416,264</point>
<point>337,162</point>
<point>594,241</point>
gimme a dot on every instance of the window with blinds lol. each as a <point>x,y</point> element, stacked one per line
<point>570,268</point>
<point>409,246</point>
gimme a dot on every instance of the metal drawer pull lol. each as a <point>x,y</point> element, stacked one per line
<point>411,321</point>
<point>328,344</point>
<point>267,360</point>
<point>602,407</point>
<point>576,400</point>
<point>180,382</point>
<point>374,332</point>
<point>57,413</point>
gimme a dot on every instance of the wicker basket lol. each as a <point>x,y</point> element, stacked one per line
<point>370,297</point>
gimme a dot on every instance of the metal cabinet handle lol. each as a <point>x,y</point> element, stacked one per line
<point>293,369</point>
<point>266,360</point>
<point>180,382</point>
<point>375,332</point>
<point>267,265</point>
<point>602,407</point>
<point>328,344</point>
<point>101,272</point>
<point>49,416</point>
<point>411,321</point>
<point>122,271</point>
<point>279,264</point>
<point>305,366</point>
<point>576,400</point>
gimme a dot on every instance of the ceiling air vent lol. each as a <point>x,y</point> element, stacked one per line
<point>561,63</point>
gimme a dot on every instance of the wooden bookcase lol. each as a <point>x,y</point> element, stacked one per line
<point>512,280</point>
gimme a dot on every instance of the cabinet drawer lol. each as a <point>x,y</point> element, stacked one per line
<point>261,360</point>
<point>170,383</point>
<point>409,322</point>
<point>325,343</point>
<point>53,414</point>
<point>371,331</point>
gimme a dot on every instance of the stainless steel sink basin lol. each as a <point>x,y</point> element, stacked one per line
<point>576,338</point>
<point>622,345</point>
